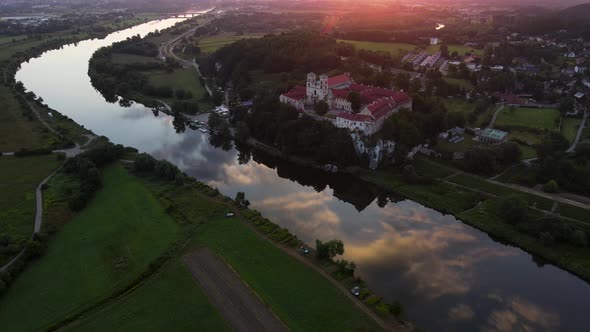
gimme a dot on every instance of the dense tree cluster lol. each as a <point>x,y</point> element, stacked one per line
<point>296,134</point>
<point>163,169</point>
<point>329,250</point>
<point>489,160</point>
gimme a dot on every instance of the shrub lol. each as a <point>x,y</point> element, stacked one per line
<point>382,309</point>
<point>550,187</point>
<point>513,208</point>
<point>547,239</point>
<point>372,300</point>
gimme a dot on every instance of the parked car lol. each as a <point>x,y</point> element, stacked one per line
<point>304,251</point>
<point>229,214</point>
<point>356,290</point>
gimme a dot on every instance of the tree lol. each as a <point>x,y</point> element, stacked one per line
<point>513,208</point>
<point>550,187</point>
<point>321,107</point>
<point>241,199</point>
<point>355,100</point>
<point>330,249</point>
<point>444,50</point>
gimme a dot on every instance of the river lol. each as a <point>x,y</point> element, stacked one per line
<point>448,276</point>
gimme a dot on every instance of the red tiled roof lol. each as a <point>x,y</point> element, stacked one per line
<point>340,79</point>
<point>381,107</point>
<point>298,93</point>
<point>340,93</point>
<point>401,97</point>
<point>355,117</point>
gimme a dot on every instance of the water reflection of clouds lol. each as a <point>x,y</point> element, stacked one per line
<point>517,314</point>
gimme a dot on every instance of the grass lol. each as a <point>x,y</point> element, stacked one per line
<point>396,49</point>
<point>478,183</point>
<point>529,137</point>
<point>169,301</point>
<point>534,118</point>
<point>17,130</point>
<point>19,178</point>
<point>465,84</point>
<point>182,78</point>
<point>300,296</point>
<point>112,241</point>
<point>466,143</point>
<point>569,128</point>
<point>213,43</point>
<point>458,105</point>
<point>124,58</point>
<point>574,212</point>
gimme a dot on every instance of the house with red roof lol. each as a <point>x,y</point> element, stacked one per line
<point>378,103</point>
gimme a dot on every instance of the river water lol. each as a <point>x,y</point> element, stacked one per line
<point>448,276</point>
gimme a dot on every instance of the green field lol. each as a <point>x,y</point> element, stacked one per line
<point>529,137</point>
<point>534,118</point>
<point>458,105</point>
<point>169,301</point>
<point>182,78</point>
<point>465,84</point>
<point>401,49</point>
<point>108,244</point>
<point>569,128</point>
<point>124,58</point>
<point>19,177</point>
<point>301,297</point>
<point>213,43</point>
<point>16,130</point>
<point>396,49</point>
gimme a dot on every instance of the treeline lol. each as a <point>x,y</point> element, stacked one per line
<point>295,134</point>
<point>293,55</point>
<point>492,159</point>
<point>427,119</point>
<point>86,167</point>
<point>290,52</point>
<point>260,22</point>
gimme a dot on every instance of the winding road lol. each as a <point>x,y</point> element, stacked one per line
<point>72,152</point>
<point>167,50</point>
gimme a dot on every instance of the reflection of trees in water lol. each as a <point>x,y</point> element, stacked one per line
<point>123,102</point>
<point>346,187</point>
<point>179,123</point>
<point>220,141</point>
<point>244,153</point>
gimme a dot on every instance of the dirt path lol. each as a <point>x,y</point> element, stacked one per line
<point>229,295</point>
<point>572,148</point>
<point>491,125</point>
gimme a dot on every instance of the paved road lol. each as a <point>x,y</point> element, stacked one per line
<point>572,148</point>
<point>39,195</point>
<point>167,50</point>
<point>233,299</point>
<point>491,125</point>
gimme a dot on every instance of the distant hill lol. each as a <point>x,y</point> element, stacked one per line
<point>579,12</point>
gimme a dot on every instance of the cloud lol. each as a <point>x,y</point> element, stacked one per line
<point>461,312</point>
<point>517,314</point>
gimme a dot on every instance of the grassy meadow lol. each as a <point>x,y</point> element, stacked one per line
<point>19,178</point>
<point>533,118</point>
<point>170,301</point>
<point>182,78</point>
<point>105,246</point>
<point>213,43</point>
